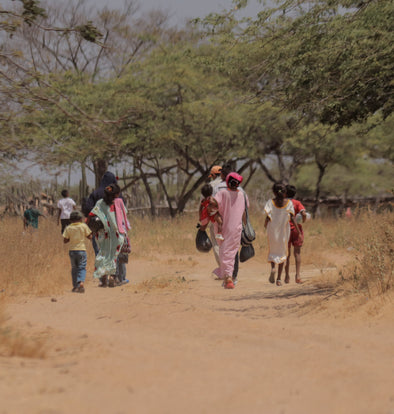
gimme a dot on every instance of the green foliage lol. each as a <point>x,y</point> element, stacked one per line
<point>366,177</point>
<point>31,11</point>
<point>89,32</point>
<point>322,61</point>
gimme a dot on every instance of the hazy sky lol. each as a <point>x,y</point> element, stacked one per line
<point>181,10</point>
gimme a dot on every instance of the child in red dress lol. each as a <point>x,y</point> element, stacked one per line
<point>296,239</point>
<point>208,211</point>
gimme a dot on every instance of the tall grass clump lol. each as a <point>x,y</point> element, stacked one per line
<point>35,261</point>
<point>371,240</point>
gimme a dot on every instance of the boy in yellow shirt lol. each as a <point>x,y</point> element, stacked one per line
<point>75,234</point>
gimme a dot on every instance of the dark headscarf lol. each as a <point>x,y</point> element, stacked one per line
<point>107,179</point>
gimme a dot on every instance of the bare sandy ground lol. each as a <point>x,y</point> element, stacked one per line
<point>189,346</point>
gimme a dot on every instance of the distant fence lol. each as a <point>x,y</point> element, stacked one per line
<point>16,203</point>
<point>336,206</point>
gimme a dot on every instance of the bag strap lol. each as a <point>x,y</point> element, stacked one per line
<point>246,209</point>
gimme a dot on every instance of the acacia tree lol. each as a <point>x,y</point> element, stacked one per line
<point>194,121</point>
<point>328,60</point>
<point>80,55</point>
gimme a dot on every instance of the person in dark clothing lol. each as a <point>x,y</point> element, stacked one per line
<point>30,216</point>
<point>107,179</point>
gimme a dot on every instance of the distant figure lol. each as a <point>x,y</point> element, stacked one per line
<point>348,213</point>
<point>30,216</point>
<point>208,211</point>
<point>65,206</point>
<point>75,234</point>
<point>279,212</point>
<point>96,195</point>
<point>296,238</point>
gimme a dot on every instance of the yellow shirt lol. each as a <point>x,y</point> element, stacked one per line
<point>77,233</point>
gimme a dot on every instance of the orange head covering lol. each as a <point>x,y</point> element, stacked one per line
<point>215,170</point>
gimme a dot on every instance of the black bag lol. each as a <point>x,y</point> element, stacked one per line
<point>247,252</point>
<point>203,243</point>
<point>123,258</point>
<point>248,234</point>
<point>95,224</point>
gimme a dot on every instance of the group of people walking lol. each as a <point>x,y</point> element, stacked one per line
<point>222,212</point>
<point>104,221</point>
<point>223,209</point>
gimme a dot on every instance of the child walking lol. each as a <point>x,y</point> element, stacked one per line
<point>209,211</point>
<point>296,238</point>
<point>279,212</point>
<point>65,206</point>
<point>75,234</point>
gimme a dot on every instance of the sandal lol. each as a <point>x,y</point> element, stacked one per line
<point>299,281</point>
<point>278,282</point>
<point>228,283</point>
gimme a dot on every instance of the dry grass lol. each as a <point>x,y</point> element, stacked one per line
<point>363,252</point>
<point>33,262</point>
<point>37,263</point>
<point>372,243</point>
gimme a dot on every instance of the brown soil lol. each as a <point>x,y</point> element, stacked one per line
<point>174,341</point>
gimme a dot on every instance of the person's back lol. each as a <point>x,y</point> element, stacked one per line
<point>75,234</point>
<point>107,179</point>
<point>96,195</point>
<point>65,207</point>
<point>296,238</point>
<point>30,216</point>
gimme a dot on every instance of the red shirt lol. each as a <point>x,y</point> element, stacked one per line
<point>298,207</point>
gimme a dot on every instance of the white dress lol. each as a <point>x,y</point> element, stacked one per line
<point>278,230</point>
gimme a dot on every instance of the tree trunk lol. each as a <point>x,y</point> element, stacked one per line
<point>163,186</point>
<point>322,170</point>
<point>148,191</point>
<point>83,187</point>
<point>100,167</point>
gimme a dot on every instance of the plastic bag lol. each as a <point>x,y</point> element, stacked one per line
<point>248,234</point>
<point>247,252</point>
<point>203,243</point>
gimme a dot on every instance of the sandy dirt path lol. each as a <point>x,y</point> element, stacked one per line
<point>193,347</point>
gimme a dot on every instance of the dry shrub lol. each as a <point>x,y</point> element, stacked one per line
<point>38,263</point>
<point>15,344</point>
<point>372,242</point>
<point>35,261</point>
<point>163,235</point>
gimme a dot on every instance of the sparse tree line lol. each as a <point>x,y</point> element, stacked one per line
<point>301,92</point>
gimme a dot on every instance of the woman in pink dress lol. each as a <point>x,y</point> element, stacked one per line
<point>231,203</point>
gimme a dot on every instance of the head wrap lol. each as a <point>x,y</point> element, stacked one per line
<point>215,170</point>
<point>233,176</point>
